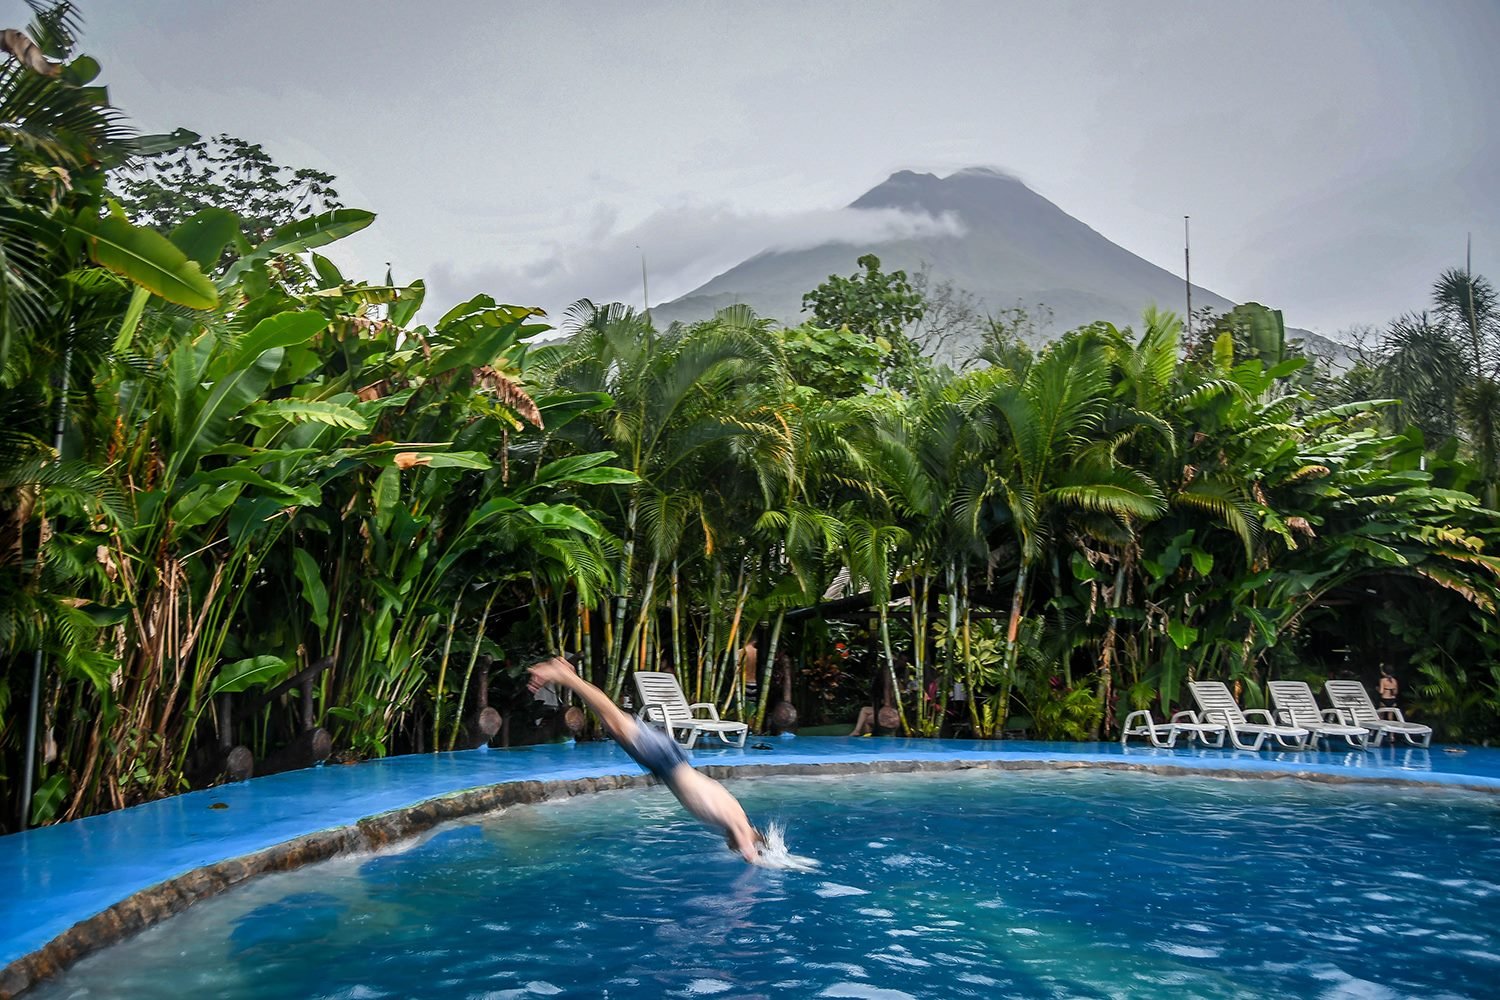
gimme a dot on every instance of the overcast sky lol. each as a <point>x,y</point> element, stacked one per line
<point>1332,155</point>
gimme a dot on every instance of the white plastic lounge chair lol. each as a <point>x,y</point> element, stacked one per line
<point>1164,734</point>
<point>663,704</point>
<point>1296,706</point>
<point>1352,700</point>
<point>1216,704</point>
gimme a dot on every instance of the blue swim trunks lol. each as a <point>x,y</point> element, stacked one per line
<point>655,751</point>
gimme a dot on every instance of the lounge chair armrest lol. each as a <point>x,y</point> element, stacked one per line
<point>713,712</point>
<point>1338,716</point>
<point>1186,715</point>
<point>1216,715</point>
<point>1250,713</point>
<point>1393,714</point>
<point>652,713</point>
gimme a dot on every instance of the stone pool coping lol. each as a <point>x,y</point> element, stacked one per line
<point>88,884</point>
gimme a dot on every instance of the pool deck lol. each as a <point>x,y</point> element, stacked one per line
<point>54,877</point>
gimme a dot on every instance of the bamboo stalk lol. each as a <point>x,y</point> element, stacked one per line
<point>731,645</point>
<point>678,667</point>
<point>635,647</point>
<point>484,618</point>
<point>708,640</point>
<point>767,666</point>
<point>622,599</point>
<point>437,708</point>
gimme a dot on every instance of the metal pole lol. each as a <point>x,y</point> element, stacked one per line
<point>36,664</point>
<point>1187,275</point>
<point>645,292</point>
<point>1469,294</point>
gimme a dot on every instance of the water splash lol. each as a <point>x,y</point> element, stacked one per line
<point>774,853</point>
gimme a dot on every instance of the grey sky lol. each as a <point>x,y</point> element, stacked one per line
<point>1332,156</point>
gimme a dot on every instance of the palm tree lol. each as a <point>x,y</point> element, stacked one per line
<point>1466,302</point>
<point>1054,460</point>
<point>57,139</point>
<point>1424,368</point>
<point>691,419</point>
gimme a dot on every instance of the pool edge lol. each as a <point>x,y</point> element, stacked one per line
<point>149,906</point>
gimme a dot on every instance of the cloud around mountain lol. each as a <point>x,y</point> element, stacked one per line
<point>980,229</point>
<point>683,245</point>
<point>1016,248</point>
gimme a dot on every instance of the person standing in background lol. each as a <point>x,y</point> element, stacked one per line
<point>749,676</point>
<point>1388,688</point>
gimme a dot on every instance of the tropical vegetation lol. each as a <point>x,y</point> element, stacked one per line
<point>245,497</point>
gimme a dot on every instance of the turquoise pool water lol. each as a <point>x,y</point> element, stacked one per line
<point>982,884</point>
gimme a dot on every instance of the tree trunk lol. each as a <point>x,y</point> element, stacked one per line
<point>678,667</point>
<point>1107,656</point>
<point>767,667</point>
<point>636,647</point>
<point>437,710</point>
<point>622,600</point>
<point>469,673</point>
<point>1012,646</point>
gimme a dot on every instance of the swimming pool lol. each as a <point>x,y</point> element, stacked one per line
<point>987,883</point>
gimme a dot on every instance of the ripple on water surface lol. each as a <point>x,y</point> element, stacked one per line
<point>977,884</point>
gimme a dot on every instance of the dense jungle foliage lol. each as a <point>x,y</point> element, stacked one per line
<point>281,502</point>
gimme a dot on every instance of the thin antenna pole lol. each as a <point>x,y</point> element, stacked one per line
<point>645,292</point>
<point>1187,274</point>
<point>1469,294</point>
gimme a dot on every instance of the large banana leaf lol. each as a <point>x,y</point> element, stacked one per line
<point>292,411</point>
<point>203,504</point>
<point>483,331</point>
<point>562,515</point>
<point>301,236</point>
<point>149,259</point>
<point>281,330</point>
<point>584,469</point>
<point>316,231</point>
<point>313,591</point>
<point>404,309</point>
<point>204,236</point>
<point>292,495</point>
<point>208,426</point>
<point>242,675</point>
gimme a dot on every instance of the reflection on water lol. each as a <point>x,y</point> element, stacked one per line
<point>980,884</point>
<point>1406,758</point>
<point>1402,758</point>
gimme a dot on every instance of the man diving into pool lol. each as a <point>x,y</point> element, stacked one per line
<point>660,754</point>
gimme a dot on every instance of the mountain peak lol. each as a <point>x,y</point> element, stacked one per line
<point>986,173</point>
<point>969,188</point>
<point>902,187</point>
<point>1014,246</point>
<point>909,177</point>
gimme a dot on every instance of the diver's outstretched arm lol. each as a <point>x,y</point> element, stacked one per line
<point>559,671</point>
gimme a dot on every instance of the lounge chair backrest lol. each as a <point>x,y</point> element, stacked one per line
<point>662,689</point>
<point>1352,697</point>
<point>1296,699</point>
<point>1215,702</point>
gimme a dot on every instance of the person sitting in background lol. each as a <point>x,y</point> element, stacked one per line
<point>886,718</point>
